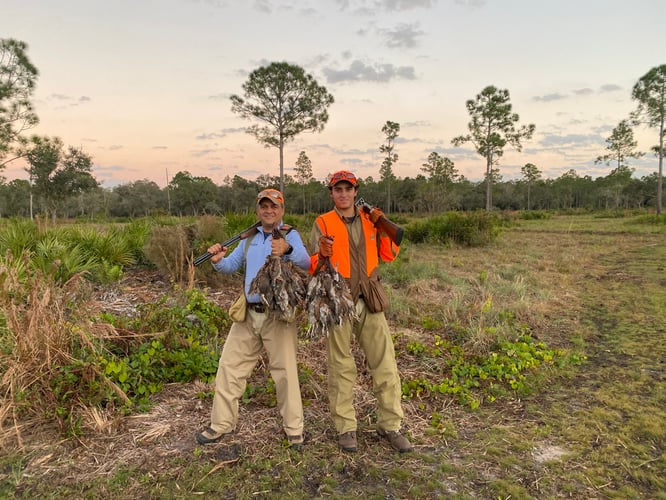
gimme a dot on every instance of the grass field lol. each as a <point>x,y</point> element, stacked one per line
<point>593,287</point>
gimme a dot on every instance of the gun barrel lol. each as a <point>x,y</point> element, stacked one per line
<point>240,236</point>
<point>202,258</point>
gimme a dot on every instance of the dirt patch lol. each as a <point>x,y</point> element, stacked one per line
<point>548,453</point>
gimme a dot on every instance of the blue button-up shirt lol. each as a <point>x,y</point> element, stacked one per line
<point>259,250</point>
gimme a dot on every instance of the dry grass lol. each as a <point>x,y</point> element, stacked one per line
<point>47,329</point>
<point>168,248</point>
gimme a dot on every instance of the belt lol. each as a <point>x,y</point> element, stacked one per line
<point>257,307</point>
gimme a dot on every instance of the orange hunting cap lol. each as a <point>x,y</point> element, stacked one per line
<point>342,176</point>
<point>272,194</point>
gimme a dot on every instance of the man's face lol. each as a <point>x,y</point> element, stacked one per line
<point>343,194</point>
<point>270,214</point>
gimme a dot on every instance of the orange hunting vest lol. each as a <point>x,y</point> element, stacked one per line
<point>331,223</point>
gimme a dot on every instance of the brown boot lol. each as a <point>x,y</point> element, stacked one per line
<point>209,436</point>
<point>347,441</point>
<point>296,443</point>
<point>397,440</point>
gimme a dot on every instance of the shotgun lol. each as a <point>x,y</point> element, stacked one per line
<point>240,236</point>
<point>392,230</point>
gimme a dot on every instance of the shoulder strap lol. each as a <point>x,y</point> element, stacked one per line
<point>284,227</point>
<point>248,240</point>
<point>324,230</point>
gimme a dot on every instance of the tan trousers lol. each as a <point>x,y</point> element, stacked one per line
<point>373,335</point>
<point>240,354</point>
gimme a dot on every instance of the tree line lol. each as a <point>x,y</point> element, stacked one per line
<point>284,101</point>
<point>188,195</point>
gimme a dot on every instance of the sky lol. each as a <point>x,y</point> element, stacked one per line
<point>144,86</point>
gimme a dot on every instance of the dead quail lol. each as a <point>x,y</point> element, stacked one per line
<point>328,302</point>
<point>282,286</point>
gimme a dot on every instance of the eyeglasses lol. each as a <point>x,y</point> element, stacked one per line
<point>343,175</point>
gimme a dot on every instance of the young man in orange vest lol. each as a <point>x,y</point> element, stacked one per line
<point>349,238</point>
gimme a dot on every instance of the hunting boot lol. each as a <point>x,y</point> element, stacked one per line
<point>397,440</point>
<point>347,441</point>
<point>209,436</point>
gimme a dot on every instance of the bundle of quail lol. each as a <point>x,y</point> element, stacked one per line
<point>282,286</point>
<point>329,301</point>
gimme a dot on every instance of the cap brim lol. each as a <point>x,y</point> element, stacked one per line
<point>273,200</point>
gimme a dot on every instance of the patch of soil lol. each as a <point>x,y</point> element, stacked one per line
<point>548,453</point>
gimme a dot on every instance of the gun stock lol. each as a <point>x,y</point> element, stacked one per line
<point>240,236</point>
<point>392,230</point>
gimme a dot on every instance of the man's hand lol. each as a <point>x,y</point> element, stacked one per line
<point>218,252</point>
<point>375,214</point>
<point>325,246</point>
<point>279,246</point>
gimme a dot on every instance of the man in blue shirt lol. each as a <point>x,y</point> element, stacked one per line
<point>246,339</point>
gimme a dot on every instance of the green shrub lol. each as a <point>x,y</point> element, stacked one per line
<point>534,215</point>
<point>475,378</point>
<point>235,223</point>
<point>134,236</point>
<point>101,253</point>
<point>189,314</point>
<point>170,341</point>
<point>418,232</point>
<point>209,230</point>
<point>302,223</point>
<point>152,364</point>
<point>18,235</point>
<point>469,229</point>
<point>653,219</point>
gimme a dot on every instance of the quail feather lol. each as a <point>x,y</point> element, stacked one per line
<point>328,302</point>
<point>282,287</point>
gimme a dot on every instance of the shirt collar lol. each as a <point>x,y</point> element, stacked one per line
<point>347,219</point>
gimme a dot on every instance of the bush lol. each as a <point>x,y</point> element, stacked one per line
<point>652,219</point>
<point>100,253</point>
<point>534,215</point>
<point>208,230</point>
<point>473,378</point>
<point>183,341</point>
<point>55,363</point>
<point>48,348</point>
<point>469,229</point>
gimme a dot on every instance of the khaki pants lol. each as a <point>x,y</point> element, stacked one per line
<point>240,354</point>
<point>372,333</point>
